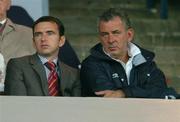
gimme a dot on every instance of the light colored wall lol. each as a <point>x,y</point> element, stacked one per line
<point>35,8</point>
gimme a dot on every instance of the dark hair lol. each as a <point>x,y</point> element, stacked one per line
<point>51,19</point>
<point>112,12</point>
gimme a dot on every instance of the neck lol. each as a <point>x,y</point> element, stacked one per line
<point>51,58</point>
<point>123,58</point>
<point>2,17</point>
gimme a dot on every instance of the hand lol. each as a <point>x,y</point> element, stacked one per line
<point>111,93</point>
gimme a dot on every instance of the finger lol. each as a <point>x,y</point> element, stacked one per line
<point>108,94</point>
<point>100,93</point>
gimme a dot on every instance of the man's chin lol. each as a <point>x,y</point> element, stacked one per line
<point>45,54</point>
<point>113,54</point>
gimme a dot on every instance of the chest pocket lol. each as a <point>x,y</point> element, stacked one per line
<point>140,75</point>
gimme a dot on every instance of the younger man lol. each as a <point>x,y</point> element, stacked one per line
<point>42,74</point>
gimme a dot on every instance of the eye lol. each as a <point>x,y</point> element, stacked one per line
<point>104,34</point>
<point>116,32</point>
<point>50,33</point>
<point>37,34</point>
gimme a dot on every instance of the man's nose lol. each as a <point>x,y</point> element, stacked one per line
<point>43,37</point>
<point>111,38</point>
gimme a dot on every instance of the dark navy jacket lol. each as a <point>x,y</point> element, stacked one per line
<point>100,72</point>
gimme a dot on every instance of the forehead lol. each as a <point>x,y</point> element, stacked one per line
<point>114,24</point>
<point>4,1</point>
<point>114,21</point>
<point>46,26</point>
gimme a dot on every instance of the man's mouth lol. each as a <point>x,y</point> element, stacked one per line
<point>112,48</point>
<point>44,46</point>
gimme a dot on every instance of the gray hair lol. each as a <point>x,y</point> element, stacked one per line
<point>111,13</point>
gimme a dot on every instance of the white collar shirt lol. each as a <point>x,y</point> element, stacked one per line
<point>133,50</point>
<point>44,60</point>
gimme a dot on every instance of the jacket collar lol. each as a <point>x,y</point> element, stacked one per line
<point>9,26</point>
<point>39,68</point>
<point>139,58</point>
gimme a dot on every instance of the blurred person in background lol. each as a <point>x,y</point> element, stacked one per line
<point>16,40</point>
<point>163,8</point>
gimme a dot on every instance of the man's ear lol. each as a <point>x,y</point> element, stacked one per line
<point>62,41</point>
<point>33,43</point>
<point>8,4</point>
<point>130,34</point>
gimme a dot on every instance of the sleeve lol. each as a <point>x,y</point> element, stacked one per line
<point>94,78</point>
<point>14,84</point>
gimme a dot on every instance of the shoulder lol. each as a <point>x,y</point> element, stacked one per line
<point>17,27</point>
<point>147,54</point>
<point>96,62</point>
<point>20,60</point>
<point>97,56</point>
<point>89,61</point>
<point>22,28</point>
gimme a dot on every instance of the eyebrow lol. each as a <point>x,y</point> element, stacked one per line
<point>45,31</point>
<point>115,31</point>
